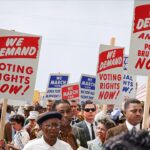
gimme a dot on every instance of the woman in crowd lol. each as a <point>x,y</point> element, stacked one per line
<point>21,137</point>
<point>101,128</point>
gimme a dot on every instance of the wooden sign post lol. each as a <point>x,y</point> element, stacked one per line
<point>3,119</point>
<point>146,106</point>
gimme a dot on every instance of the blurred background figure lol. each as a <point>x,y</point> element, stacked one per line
<point>49,105</point>
<point>75,112</point>
<point>101,129</point>
<point>26,109</point>
<point>110,108</point>
<point>7,131</point>
<point>32,127</point>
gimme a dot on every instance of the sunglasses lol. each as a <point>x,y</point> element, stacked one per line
<point>90,109</point>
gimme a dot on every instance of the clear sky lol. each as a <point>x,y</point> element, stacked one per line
<point>72,31</point>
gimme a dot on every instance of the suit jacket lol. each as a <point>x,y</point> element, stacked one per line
<point>116,130</point>
<point>95,145</point>
<point>80,136</point>
<point>83,125</point>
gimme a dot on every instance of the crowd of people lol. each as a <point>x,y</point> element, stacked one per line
<point>67,125</point>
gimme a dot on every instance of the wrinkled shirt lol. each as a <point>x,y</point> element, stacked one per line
<point>40,144</point>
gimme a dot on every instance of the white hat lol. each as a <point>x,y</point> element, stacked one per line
<point>33,115</point>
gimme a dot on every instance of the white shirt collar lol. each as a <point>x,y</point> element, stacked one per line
<point>130,126</point>
<point>47,146</point>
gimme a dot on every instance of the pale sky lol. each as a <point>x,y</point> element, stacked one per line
<point>71,31</point>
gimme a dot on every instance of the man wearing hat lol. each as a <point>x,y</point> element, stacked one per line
<point>32,127</point>
<point>49,123</point>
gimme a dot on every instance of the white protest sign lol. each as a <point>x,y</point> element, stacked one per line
<point>87,87</point>
<point>70,91</point>
<point>19,55</point>
<point>55,82</point>
<point>129,82</point>
<point>109,75</point>
<point>139,57</point>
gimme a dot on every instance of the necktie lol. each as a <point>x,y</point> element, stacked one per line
<point>134,128</point>
<point>93,134</point>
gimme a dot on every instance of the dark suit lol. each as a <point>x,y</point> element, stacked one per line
<point>116,130</point>
<point>79,135</point>
<point>83,125</point>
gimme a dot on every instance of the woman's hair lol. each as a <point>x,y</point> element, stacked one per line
<point>17,118</point>
<point>108,123</point>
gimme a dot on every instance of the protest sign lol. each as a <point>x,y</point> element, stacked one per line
<point>19,55</point>
<point>129,82</point>
<point>87,87</point>
<point>109,75</point>
<point>139,56</point>
<point>55,82</point>
<point>70,91</point>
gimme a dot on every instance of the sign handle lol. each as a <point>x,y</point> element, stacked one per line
<point>146,105</point>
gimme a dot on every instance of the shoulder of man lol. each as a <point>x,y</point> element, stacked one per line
<point>80,124</point>
<point>65,144</point>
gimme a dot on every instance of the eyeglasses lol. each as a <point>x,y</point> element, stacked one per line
<point>50,126</point>
<point>89,109</point>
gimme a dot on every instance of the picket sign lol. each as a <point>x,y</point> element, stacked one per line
<point>3,118</point>
<point>112,42</point>
<point>146,106</point>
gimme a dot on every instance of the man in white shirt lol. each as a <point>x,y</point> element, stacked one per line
<point>50,125</point>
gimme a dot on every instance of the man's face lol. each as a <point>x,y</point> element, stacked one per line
<point>74,108</point>
<point>89,112</point>
<point>134,113</point>
<point>51,128</point>
<point>65,110</point>
<point>49,106</point>
<point>110,108</point>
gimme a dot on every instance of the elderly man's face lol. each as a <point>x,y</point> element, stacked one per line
<point>51,128</point>
<point>134,113</point>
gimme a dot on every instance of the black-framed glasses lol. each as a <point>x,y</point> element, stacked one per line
<point>90,109</point>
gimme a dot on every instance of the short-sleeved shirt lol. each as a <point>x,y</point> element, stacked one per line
<point>21,138</point>
<point>40,144</point>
